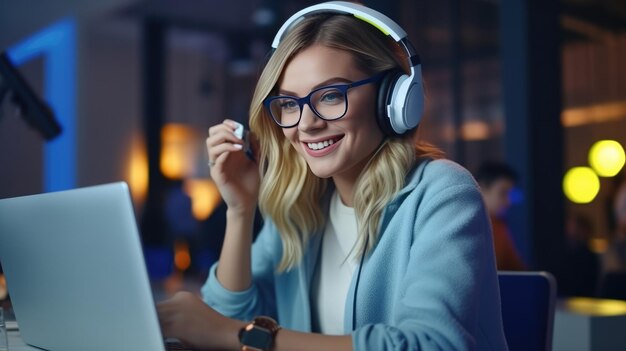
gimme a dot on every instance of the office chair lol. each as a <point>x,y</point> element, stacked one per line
<point>528,303</point>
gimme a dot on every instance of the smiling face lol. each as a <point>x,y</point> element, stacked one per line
<point>341,148</point>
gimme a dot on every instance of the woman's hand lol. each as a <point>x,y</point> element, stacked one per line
<point>198,326</point>
<point>236,176</point>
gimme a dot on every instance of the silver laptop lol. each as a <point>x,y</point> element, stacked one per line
<point>75,271</point>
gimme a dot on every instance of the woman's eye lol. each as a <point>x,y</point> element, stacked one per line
<point>332,97</point>
<point>288,105</point>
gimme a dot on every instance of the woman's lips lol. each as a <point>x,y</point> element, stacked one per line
<point>322,147</point>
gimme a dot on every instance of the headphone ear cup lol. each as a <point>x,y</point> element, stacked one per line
<point>385,94</point>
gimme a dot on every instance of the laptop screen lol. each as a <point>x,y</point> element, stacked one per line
<point>75,270</point>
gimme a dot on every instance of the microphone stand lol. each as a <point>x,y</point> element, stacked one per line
<point>34,111</point>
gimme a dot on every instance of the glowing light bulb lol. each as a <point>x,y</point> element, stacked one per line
<point>607,157</point>
<point>581,185</point>
<point>205,197</point>
<point>178,152</point>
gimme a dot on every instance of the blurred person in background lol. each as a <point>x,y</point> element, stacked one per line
<point>613,284</point>
<point>615,257</point>
<point>497,180</point>
<point>581,266</point>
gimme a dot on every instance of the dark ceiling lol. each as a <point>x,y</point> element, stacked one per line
<point>607,14</point>
<point>595,20</point>
<point>433,25</point>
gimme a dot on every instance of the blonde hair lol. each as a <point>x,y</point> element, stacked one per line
<point>290,194</point>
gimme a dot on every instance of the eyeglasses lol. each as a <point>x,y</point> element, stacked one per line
<point>328,103</point>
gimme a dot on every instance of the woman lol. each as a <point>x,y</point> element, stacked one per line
<point>370,242</point>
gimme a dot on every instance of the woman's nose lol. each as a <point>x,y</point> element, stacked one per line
<point>309,120</point>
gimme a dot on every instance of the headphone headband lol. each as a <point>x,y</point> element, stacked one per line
<point>373,17</point>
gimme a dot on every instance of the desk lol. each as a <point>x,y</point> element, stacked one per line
<point>16,343</point>
<point>586,324</point>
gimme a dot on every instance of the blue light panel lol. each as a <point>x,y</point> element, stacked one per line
<point>57,45</point>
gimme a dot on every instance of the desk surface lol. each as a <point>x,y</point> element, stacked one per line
<point>16,343</point>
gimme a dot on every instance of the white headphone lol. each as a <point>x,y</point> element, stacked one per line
<point>401,96</point>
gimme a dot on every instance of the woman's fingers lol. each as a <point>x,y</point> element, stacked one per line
<point>218,154</point>
<point>222,139</point>
<point>222,136</point>
<point>174,311</point>
<point>227,126</point>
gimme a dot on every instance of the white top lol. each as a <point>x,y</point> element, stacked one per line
<point>334,270</point>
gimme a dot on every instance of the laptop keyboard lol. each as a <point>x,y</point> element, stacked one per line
<point>175,346</point>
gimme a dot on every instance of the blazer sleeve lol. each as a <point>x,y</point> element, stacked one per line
<point>259,298</point>
<point>440,292</point>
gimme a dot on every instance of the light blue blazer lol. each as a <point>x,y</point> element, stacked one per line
<point>429,284</point>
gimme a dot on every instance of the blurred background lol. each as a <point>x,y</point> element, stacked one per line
<point>136,84</point>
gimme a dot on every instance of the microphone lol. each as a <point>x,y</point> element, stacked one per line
<point>36,112</point>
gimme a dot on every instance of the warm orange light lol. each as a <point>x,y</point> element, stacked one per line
<point>598,113</point>
<point>178,153</point>
<point>182,258</point>
<point>475,130</point>
<point>137,175</point>
<point>205,197</point>
<point>598,245</point>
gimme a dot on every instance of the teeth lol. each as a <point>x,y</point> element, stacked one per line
<point>320,145</point>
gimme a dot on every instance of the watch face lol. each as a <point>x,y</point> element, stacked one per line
<point>258,338</point>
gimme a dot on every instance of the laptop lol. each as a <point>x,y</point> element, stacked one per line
<point>75,271</point>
